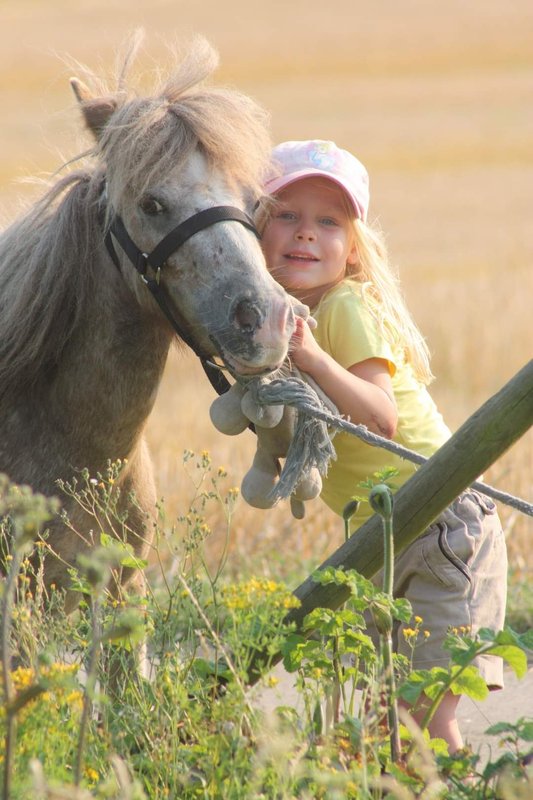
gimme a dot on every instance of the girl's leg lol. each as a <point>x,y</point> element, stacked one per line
<point>444,724</point>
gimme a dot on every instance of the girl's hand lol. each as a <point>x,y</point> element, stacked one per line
<point>303,348</point>
<point>363,393</point>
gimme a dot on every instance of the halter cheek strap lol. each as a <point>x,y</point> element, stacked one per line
<point>158,258</point>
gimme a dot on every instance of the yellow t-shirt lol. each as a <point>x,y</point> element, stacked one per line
<point>348,331</point>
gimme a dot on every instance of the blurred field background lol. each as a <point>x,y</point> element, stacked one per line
<point>435,99</point>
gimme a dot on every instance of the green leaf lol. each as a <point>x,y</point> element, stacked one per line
<point>469,682</point>
<point>497,767</point>
<point>402,609</point>
<point>330,575</point>
<point>439,680</point>
<point>514,656</point>
<point>507,636</point>
<point>124,551</point>
<point>462,650</point>
<point>356,641</point>
<point>293,650</point>
<point>351,618</point>
<point>525,728</point>
<point>319,618</point>
<point>521,729</point>
<point>205,668</point>
<point>501,727</point>
<point>526,639</point>
<point>438,746</point>
<point>411,689</point>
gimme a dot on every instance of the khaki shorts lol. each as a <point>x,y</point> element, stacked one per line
<point>454,575</point>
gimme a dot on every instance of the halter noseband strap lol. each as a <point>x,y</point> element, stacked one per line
<point>157,259</point>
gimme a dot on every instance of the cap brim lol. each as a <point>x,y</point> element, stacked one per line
<point>277,184</point>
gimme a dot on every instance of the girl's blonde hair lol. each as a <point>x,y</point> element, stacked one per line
<point>383,297</point>
<point>381,291</point>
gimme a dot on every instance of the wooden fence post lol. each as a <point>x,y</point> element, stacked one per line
<point>478,443</point>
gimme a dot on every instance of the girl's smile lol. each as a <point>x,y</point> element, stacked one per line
<point>300,257</point>
<point>308,241</point>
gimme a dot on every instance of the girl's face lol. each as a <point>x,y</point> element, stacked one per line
<point>309,239</point>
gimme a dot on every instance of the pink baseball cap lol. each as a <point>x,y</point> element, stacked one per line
<point>292,161</point>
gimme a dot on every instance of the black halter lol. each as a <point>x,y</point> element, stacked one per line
<point>157,259</point>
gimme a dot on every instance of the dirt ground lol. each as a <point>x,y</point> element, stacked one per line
<point>508,705</point>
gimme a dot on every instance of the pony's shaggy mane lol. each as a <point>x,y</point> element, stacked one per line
<point>148,136</point>
<point>45,278</point>
<point>47,257</point>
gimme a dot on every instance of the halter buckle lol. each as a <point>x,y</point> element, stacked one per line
<point>212,363</point>
<point>143,276</point>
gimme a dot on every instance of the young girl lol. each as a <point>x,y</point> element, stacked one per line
<point>368,356</point>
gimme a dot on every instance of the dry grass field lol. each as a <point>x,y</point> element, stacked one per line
<point>435,98</point>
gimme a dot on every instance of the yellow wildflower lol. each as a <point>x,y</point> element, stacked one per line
<point>344,744</point>
<point>91,774</point>
<point>291,602</point>
<point>74,698</point>
<point>22,677</point>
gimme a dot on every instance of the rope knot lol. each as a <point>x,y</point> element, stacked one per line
<point>310,445</point>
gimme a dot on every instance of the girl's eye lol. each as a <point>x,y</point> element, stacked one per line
<point>328,221</point>
<point>288,215</point>
<point>150,206</point>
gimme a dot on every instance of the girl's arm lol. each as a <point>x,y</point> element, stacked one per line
<point>363,392</point>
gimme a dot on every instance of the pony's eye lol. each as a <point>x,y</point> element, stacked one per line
<point>150,206</point>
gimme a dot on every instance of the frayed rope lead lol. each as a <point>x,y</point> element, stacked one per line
<point>311,441</point>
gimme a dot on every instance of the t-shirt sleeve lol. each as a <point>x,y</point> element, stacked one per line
<point>349,333</point>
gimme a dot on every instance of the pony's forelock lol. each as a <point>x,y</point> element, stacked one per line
<point>148,136</point>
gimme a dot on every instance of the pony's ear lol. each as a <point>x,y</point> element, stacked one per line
<point>96,110</point>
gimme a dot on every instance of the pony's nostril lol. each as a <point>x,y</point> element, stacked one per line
<point>247,316</point>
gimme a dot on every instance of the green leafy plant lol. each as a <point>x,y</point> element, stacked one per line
<point>187,726</point>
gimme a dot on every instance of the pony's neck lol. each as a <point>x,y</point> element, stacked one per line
<point>110,373</point>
